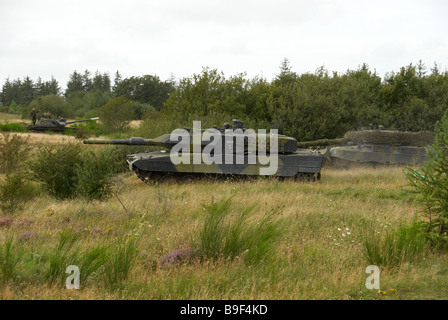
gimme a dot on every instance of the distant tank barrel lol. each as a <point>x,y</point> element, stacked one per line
<point>84,120</point>
<point>136,141</point>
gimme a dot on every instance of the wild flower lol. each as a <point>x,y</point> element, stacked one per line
<point>26,236</point>
<point>178,256</point>
<point>49,212</point>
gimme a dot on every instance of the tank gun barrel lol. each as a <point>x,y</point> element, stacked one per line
<point>136,141</point>
<point>323,143</point>
<point>83,120</point>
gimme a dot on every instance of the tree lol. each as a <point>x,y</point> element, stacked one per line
<point>116,114</point>
<point>146,89</point>
<point>75,83</point>
<point>52,103</point>
<point>431,182</point>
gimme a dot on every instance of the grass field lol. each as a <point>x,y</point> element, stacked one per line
<point>141,243</point>
<point>319,253</point>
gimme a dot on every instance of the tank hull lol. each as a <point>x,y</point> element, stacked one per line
<point>156,166</point>
<point>369,154</point>
<point>53,129</point>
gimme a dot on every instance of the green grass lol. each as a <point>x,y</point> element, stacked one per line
<point>308,240</point>
<point>12,127</point>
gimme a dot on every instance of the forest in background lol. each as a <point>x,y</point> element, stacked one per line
<point>306,106</point>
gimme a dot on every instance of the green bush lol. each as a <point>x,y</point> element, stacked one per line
<point>116,114</point>
<point>56,169</point>
<point>15,192</point>
<point>94,175</point>
<point>12,127</point>
<point>14,150</point>
<point>69,171</point>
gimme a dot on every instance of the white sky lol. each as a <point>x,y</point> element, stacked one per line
<point>162,37</point>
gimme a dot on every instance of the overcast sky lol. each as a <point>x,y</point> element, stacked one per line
<point>172,37</point>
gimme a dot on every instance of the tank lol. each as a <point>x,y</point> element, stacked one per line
<point>374,147</point>
<point>157,166</point>
<point>60,125</point>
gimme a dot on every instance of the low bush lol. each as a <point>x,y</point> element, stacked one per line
<point>94,175</point>
<point>12,127</point>
<point>56,169</point>
<point>15,192</point>
<point>14,150</point>
<point>70,171</point>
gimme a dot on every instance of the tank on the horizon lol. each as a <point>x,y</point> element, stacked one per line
<point>59,125</point>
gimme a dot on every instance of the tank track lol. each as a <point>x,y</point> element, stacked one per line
<point>152,177</point>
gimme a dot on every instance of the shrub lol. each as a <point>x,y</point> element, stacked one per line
<point>69,172</point>
<point>15,192</point>
<point>430,182</point>
<point>116,114</point>
<point>12,127</point>
<point>94,175</point>
<point>14,150</point>
<point>56,169</point>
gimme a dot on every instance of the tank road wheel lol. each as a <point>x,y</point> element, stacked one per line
<point>145,176</point>
<point>188,178</point>
<point>305,177</point>
<point>168,179</point>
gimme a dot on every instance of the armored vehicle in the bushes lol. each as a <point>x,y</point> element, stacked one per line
<point>59,125</point>
<point>245,162</point>
<point>375,147</point>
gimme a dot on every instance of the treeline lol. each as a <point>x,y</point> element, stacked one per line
<point>318,105</point>
<point>306,106</point>
<point>85,94</point>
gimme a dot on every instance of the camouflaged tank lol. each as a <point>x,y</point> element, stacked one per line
<point>375,147</point>
<point>47,124</point>
<point>157,166</point>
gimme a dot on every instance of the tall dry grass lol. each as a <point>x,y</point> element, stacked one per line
<point>319,255</point>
